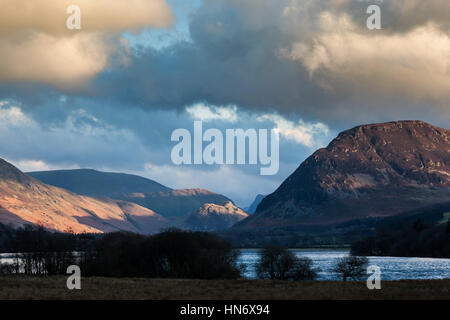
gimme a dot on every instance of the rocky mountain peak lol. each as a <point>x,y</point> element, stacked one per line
<point>402,164</point>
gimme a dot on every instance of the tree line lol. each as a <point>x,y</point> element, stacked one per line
<point>169,254</point>
<point>421,233</point>
<point>172,253</point>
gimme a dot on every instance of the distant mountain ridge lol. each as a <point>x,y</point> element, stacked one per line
<point>252,208</point>
<point>368,171</point>
<point>95,183</point>
<point>174,205</point>
<point>177,203</point>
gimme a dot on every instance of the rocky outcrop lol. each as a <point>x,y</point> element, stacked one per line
<point>213,217</point>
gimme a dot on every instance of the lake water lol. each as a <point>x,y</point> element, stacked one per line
<point>6,258</point>
<point>392,268</point>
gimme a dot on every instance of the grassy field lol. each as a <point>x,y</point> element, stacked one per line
<point>23,287</point>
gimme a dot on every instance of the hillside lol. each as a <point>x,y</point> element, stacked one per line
<point>213,217</point>
<point>25,200</point>
<point>369,171</point>
<point>172,204</point>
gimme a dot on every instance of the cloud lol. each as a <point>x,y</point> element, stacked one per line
<point>315,59</point>
<point>406,15</point>
<point>343,58</point>
<point>12,115</point>
<point>200,111</point>
<point>78,139</point>
<point>300,132</point>
<point>36,46</point>
<point>31,165</point>
<point>85,135</point>
<point>240,186</point>
<point>308,134</point>
<point>301,66</point>
<point>49,16</point>
<point>61,62</point>
<point>40,165</point>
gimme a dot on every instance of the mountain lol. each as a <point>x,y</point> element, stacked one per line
<point>177,203</point>
<point>213,217</point>
<point>95,183</point>
<point>25,200</point>
<point>372,170</point>
<point>174,205</point>
<point>252,208</point>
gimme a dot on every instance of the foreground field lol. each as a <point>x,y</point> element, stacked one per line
<point>22,287</point>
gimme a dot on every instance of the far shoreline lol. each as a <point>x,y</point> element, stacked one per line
<point>340,248</point>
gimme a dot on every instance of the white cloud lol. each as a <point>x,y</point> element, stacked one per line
<point>49,16</point>
<point>345,58</point>
<point>203,112</point>
<point>104,140</point>
<point>299,132</point>
<point>31,165</point>
<point>61,62</point>
<point>79,138</point>
<point>39,165</point>
<point>36,46</point>
<point>11,115</point>
<point>240,186</point>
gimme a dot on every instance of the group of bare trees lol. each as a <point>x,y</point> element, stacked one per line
<point>169,254</point>
<point>281,264</point>
<point>351,267</point>
<point>278,263</point>
<point>37,251</point>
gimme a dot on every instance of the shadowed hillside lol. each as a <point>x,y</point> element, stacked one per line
<point>370,171</point>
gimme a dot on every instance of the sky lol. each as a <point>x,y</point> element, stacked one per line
<point>109,95</point>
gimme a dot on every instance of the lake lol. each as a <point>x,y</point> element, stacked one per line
<point>392,268</point>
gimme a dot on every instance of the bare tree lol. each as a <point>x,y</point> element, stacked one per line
<point>351,267</point>
<point>303,269</point>
<point>281,264</point>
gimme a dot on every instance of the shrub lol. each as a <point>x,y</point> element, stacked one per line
<point>281,264</point>
<point>303,270</point>
<point>351,267</point>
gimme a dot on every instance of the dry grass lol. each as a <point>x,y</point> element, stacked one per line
<point>23,287</point>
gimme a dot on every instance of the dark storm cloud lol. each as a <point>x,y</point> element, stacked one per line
<point>246,70</point>
<point>282,55</point>
<point>246,53</point>
<point>233,59</point>
<point>402,15</point>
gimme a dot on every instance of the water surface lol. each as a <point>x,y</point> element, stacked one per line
<point>392,268</point>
